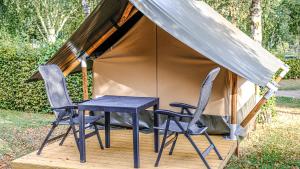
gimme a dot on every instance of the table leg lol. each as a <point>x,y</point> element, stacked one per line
<point>107,129</point>
<point>135,123</point>
<point>156,131</point>
<point>82,137</point>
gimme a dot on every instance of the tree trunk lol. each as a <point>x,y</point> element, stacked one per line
<point>256,23</point>
<point>256,27</point>
<point>51,35</point>
<point>86,8</point>
<point>256,34</point>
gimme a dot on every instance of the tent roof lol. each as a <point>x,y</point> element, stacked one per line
<point>192,22</point>
<point>200,27</point>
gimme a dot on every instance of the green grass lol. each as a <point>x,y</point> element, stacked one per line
<point>272,145</point>
<point>290,84</point>
<point>21,132</point>
<point>21,120</point>
<point>287,102</point>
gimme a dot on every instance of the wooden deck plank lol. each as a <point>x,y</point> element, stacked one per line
<point>120,155</point>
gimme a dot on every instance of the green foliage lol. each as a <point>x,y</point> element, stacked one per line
<point>267,111</point>
<point>18,61</point>
<point>288,102</point>
<point>22,18</point>
<point>281,20</point>
<point>294,72</point>
<point>236,11</point>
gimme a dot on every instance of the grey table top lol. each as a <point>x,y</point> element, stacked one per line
<point>119,103</point>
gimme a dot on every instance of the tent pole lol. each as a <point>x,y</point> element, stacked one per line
<point>234,99</point>
<point>84,78</point>
<point>233,106</point>
<point>234,92</point>
<point>272,88</point>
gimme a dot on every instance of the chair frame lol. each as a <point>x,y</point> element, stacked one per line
<point>176,117</point>
<point>71,127</point>
<point>68,115</point>
<point>194,120</point>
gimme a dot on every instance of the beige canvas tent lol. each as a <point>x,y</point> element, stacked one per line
<point>148,61</point>
<point>165,49</point>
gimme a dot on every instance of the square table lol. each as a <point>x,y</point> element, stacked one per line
<point>120,104</point>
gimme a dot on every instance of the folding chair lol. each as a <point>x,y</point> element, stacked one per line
<point>175,125</point>
<point>64,109</point>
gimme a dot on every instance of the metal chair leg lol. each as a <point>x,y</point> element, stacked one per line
<point>173,144</point>
<point>163,143</point>
<point>65,136</point>
<point>75,136</point>
<point>46,139</point>
<point>98,136</point>
<point>215,148</point>
<point>197,150</point>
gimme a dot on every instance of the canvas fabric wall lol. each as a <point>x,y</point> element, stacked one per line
<point>148,61</point>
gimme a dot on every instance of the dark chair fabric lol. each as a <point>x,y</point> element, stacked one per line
<point>175,126</point>
<point>65,110</point>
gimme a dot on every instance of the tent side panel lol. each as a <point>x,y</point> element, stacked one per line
<point>148,61</point>
<point>129,68</point>
<point>246,99</point>
<point>181,71</point>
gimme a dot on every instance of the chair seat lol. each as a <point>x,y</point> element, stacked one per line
<point>88,119</point>
<point>175,128</point>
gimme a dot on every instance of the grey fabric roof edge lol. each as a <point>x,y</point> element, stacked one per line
<point>203,29</point>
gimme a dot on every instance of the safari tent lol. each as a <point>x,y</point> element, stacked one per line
<point>164,49</point>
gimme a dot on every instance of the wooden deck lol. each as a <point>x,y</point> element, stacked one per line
<point>120,154</point>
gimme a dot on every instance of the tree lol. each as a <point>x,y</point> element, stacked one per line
<point>281,24</point>
<point>53,15</point>
<point>256,22</point>
<point>235,11</point>
<point>86,8</point>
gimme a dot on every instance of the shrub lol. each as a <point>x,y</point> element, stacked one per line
<point>294,72</point>
<point>18,61</point>
<point>267,111</point>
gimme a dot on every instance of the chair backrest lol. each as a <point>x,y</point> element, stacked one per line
<point>205,93</point>
<point>56,87</point>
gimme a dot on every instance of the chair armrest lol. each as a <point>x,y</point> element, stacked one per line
<point>172,114</point>
<point>65,107</point>
<point>182,105</point>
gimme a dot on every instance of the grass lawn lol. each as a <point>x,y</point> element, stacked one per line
<point>272,145</point>
<point>290,84</point>
<point>287,102</point>
<point>275,144</point>
<point>21,133</point>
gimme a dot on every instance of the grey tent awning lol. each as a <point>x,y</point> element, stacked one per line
<point>200,27</point>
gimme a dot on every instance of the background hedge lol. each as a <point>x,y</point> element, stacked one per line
<point>294,72</point>
<point>18,61</point>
